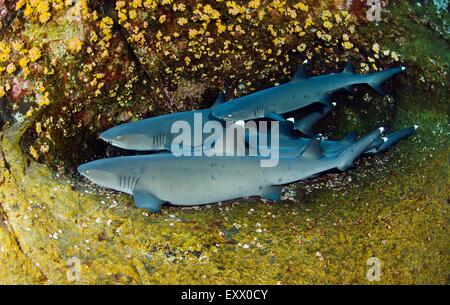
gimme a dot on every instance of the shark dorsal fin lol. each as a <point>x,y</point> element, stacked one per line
<point>313,150</point>
<point>349,68</point>
<point>302,72</point>
<point>220,99</point>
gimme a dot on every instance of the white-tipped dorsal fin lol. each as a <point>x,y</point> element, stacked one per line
<point>349,68</point>
<point>313,150</point>
<point>301,73</point>
<point>220,99</point>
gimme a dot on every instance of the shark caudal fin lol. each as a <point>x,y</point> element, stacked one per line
<point>376,79</point>
<point>346,158</point>
<point>391,139</point>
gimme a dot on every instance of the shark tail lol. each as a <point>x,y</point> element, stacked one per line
<point>351,153</point>
<point>374,80</point>
<point>378,78</point>
<point>391,139</point>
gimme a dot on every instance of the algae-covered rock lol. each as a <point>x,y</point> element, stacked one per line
<point>75,68</point>
<point>393,208</point>
<point>70,69</point>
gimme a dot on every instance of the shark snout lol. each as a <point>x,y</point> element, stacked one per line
<point>83,169</point>
<point>107,136</point>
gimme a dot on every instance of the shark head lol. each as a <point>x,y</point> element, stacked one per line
<point>233,112</point>
<point>136,136</point>
<point>110,173</point>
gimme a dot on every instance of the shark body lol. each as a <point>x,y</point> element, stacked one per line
<point>155,179</point>
<point>300,92</point>
<point>155,134</point>
<point>291,144</point>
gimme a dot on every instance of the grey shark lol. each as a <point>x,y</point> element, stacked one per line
<point>154,134</point>
<point>153,180</point>
<point>301,91</point>
<point>290,143</point>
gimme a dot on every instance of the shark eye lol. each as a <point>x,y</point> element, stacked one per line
<point>119,138</point>
<point>87,172</point>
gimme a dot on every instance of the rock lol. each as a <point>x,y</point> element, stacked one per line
<point>89,70</point>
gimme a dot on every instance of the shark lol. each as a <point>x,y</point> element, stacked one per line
<point>154,134</point>
<point>289,143</point>
<point>161,178</point>
<point>300,92</point>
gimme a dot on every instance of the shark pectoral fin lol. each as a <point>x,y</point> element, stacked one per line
<point>275,117</point>
<point>272,193</point>
<point>220,99</point>
<point>144,200</point>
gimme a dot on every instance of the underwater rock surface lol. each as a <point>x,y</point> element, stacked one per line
<point>321,236</point>
<point>393,206</point>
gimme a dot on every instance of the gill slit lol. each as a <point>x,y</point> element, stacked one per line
<point>129,182</point>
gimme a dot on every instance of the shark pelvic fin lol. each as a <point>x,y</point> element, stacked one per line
<point>302,72</point>
<point>349,89</point>
<point>377,88</point>
<point>349,68</point>
<point>326,100</point>
<point>275,117</point>
<point>350,138</point>
<point>272,193</point>
<point>144,200</point>
<point>313,150</point>
<point>220,99</point>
